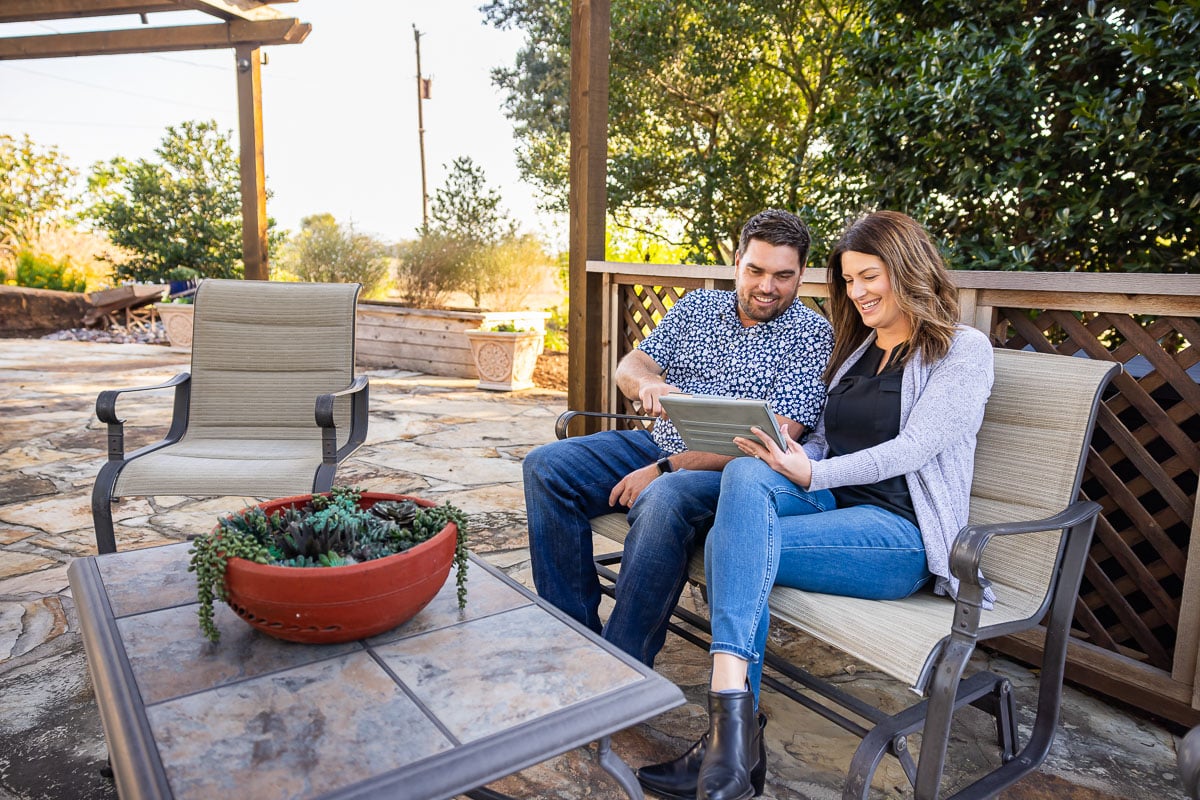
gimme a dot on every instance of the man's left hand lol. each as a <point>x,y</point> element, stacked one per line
<point>626,492</point>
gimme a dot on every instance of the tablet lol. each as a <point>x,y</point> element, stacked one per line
<point>709,422</point>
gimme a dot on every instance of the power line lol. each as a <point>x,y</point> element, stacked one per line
<point>88,123</point>
<point>104,88</point>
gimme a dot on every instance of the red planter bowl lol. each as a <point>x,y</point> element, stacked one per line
<point>322,605</point>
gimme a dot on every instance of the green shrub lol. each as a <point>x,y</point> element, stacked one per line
<point>556,330</point>
<point>40,271</point>
<point>432,268</point>
<point>325,251</point>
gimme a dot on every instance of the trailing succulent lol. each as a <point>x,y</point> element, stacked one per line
<point>329,531</point>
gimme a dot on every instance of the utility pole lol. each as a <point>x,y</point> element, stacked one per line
<point>422,94</point>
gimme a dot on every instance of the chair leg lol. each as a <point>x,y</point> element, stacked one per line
<point>323,480</point>
<point>102,494</point>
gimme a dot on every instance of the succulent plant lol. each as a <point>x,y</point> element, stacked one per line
<point>329,531</point>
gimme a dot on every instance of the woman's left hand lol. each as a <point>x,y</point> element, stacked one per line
<point>792,463</point>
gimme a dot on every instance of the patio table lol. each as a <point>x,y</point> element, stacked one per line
<point>440,706</point>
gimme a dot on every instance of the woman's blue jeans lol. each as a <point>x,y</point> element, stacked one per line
<point>569,481</point>
<point>769,531</point>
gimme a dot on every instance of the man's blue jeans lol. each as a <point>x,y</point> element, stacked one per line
<point>569,481</point>
<point>769,531</point>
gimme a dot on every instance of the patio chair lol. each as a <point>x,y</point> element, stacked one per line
<point>270,408</point>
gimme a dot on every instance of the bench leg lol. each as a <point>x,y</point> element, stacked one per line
<point>1001,704</point>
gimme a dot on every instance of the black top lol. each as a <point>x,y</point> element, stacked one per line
<point>863,410</point>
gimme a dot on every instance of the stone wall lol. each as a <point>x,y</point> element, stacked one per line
<point>33,312</point>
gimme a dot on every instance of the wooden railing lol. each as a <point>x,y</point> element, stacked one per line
<point>1137,622</point>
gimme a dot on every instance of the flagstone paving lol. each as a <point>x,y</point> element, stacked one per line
<point>441,438</point>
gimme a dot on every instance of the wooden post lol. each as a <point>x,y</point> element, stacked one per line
<point>254,191</point>
<point>590,25</point>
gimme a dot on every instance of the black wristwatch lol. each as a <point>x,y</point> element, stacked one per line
<point>664,465</point>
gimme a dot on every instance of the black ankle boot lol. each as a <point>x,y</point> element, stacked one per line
<point>725,771</point>
<point>677,779</point>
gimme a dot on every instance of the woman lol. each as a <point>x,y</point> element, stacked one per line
<point>868,507</point>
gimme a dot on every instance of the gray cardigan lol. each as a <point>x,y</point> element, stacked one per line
<point>941,409</point>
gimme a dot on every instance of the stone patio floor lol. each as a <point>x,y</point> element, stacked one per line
<point>442,438</point>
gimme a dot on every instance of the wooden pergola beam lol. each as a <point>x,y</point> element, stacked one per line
<point>156,39</point>
<point>41,10</point>
<point>234,9</point>
<point>587,198</point>
<point>253,168</point>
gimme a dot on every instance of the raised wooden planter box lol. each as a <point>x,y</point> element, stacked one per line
<point>428,340</point>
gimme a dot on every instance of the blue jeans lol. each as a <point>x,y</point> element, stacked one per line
<point>769,531</point>
<point>569,481</point>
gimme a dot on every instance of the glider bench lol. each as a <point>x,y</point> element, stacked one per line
<point>1028,534</point>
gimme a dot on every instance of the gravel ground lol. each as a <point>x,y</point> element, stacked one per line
<point>154,335</point>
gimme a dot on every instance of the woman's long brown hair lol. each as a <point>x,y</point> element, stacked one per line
<point>922,285</point>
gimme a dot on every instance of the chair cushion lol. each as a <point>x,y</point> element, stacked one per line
<point>204,466</point>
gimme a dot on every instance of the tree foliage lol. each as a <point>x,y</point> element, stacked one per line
<point>714,108</point>
<point>181,210</point>
<point>36,191</point>
<point>1027,135</point>
<point>472,246</point>
<point>1030,135</point>
<point>468,208</point>
<point>324,251</point>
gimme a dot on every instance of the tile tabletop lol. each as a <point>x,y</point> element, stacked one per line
<point>445,703</point>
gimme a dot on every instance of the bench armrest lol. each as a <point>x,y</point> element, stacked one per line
<point>564,419</point>
<point>106,412</point>
<point>967,553</point>
<point>358,390</point>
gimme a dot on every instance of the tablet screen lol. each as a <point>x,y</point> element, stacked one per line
<point>709,423</point>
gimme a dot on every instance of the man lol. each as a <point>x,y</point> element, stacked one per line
<point>756,341</point>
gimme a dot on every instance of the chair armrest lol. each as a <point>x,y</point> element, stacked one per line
<point>358,389</point>
<point>564,419</point>
<point>106,412</point>
<point>106,402</point>
<point>967,553</point>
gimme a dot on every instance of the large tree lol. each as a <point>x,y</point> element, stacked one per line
<point>714,108</point>
<point>1029,135</point>
<point>36,191</point>
<point>182,210</point>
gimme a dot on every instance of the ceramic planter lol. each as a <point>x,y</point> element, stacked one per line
<point>505,360</point>
<point>340,604</point>
<point>177,321</point>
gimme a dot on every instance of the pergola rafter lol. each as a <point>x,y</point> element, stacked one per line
<point>247,26</point>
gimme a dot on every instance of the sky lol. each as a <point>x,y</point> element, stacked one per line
<point>339,109</point>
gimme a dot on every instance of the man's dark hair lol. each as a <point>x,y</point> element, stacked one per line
<point>778,228</point>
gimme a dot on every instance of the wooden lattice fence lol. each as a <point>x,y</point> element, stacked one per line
<point>1137,618</point>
